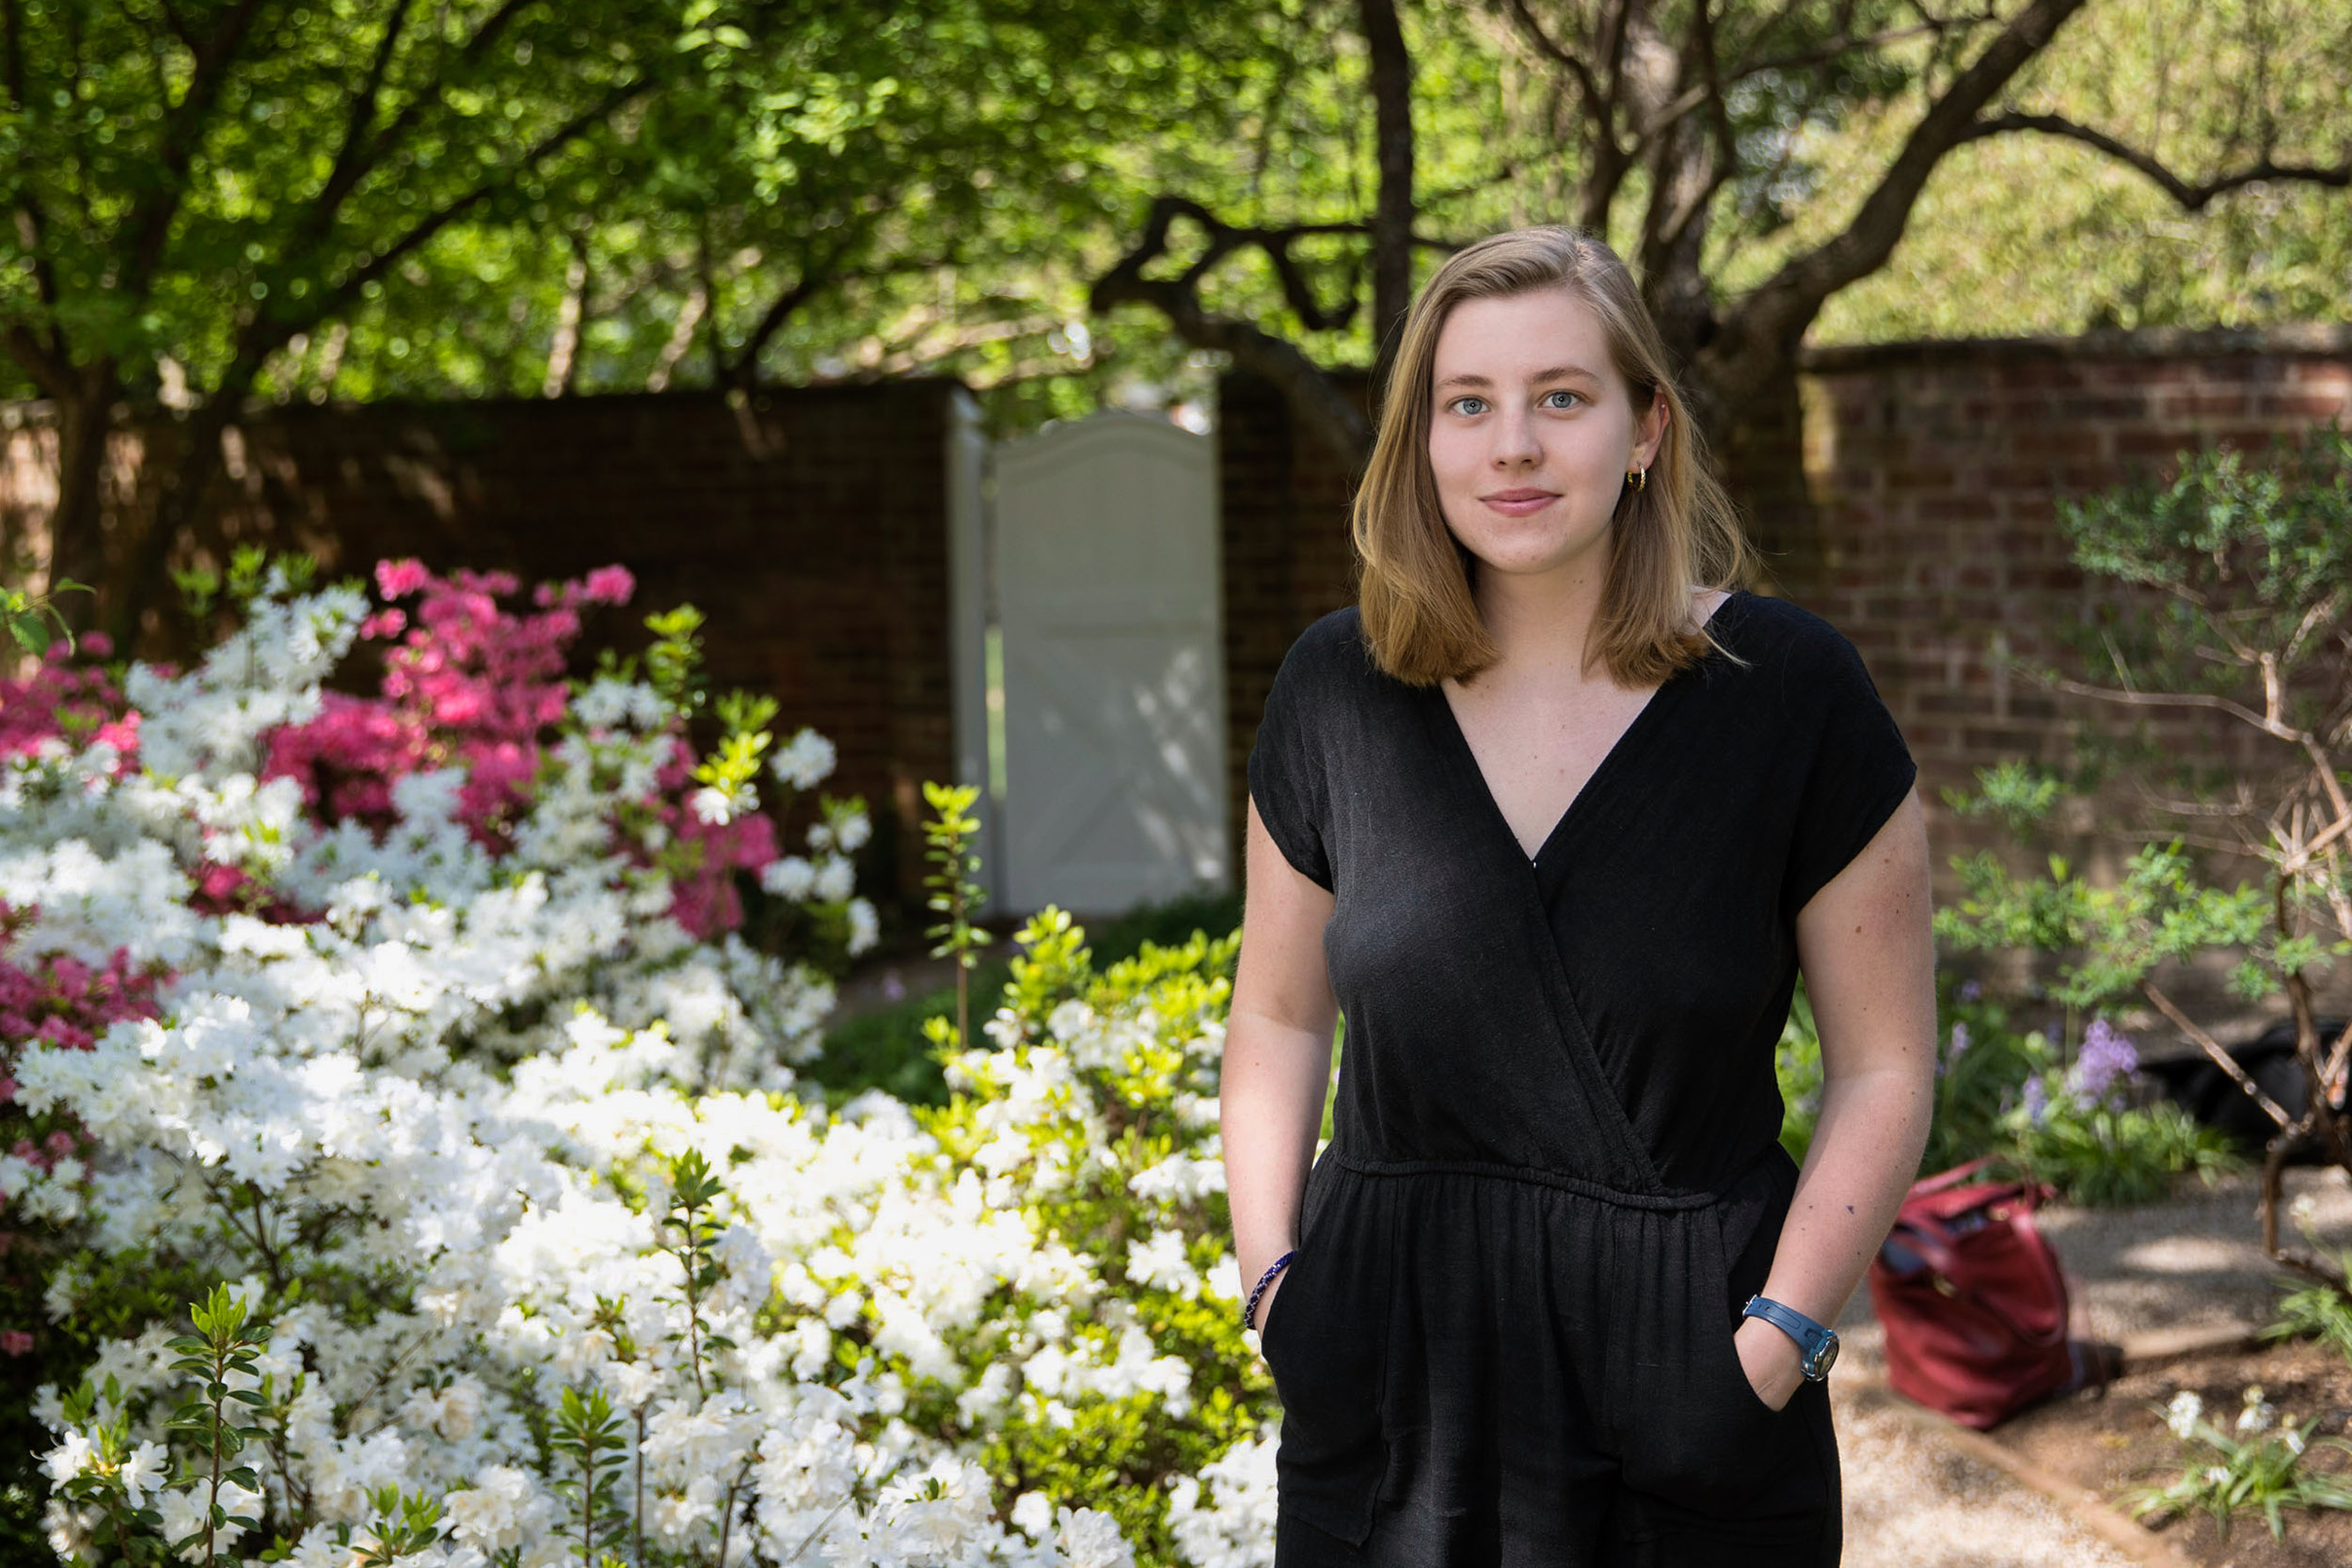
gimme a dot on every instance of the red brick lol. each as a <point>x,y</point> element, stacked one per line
<point>2203,404</point>
<point>2306,406</point>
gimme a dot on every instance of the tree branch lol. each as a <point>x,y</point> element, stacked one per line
<point>1778,310</point>
<point>347,169</point>
<point>149,226</point>
<point>52,376</point>
<point>1392,206</point>
<point>178,22</point>
<point>1308,391</point>
<point>2176,699</point>
<point>353,164</point>
<point>2192,198</point>
<point>1698,197</point>
<point>1224,239</point>
<point>1824,55</point>
<point>1936,26</point>
<point>1542,43</point>
<point>911,356</point>
<point>50,365</point>
<point>384,260</point>
<point>2220,1053</point>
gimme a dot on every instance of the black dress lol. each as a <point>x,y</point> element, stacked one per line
<point>1556,1175</point>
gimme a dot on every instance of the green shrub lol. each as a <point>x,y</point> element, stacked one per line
<point>2309,1309</point>
<point>2006,1093</point>
<point>887,1049</point>
<point>2257,1465</point>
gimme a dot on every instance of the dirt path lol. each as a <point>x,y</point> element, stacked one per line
<point>1913,1501</point>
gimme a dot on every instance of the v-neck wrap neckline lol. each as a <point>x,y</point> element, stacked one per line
<point>1608,1009</point>
<point>1456,741</point>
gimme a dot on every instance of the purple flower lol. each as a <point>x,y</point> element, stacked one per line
<point>2106,1060</point>
<point>2037,1101</point>
<point>1959,1043</point>
<point>1969,990</point>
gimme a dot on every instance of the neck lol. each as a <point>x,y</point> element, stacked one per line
<point>1541,620</point>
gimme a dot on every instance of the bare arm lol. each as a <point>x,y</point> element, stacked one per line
<point>1278,1056</point>
<point>1866,944</point>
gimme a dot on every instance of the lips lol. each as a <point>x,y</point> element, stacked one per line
<point>1518,503</point>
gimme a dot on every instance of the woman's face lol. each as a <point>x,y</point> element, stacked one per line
<point>1532,431</point>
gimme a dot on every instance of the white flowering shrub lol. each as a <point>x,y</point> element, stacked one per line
<point>430,1036</point>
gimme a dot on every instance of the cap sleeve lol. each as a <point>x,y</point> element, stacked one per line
<point>1286,773</point>
<point>1861,770</point>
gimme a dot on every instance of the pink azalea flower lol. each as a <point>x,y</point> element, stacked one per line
<point>68,696</point>
<point>397,580</point>
<point>609,585</point>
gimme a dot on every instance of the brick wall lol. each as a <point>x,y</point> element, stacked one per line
<point>1934,469</point>
<point>1937,469</point>
<point>809,526</point>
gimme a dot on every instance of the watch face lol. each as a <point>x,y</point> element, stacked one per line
<point>1824,1358</point>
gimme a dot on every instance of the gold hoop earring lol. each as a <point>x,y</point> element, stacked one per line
<point>1637,480</point>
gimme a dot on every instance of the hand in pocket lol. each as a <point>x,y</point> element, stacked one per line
<point>1266,1305</point>
<point>1771,1360</point>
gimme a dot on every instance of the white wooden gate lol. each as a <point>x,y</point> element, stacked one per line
<point>1106,577</point>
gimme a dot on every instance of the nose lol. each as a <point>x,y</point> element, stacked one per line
<point>1515,445</point>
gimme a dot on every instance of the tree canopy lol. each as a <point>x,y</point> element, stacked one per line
<point>213,199</point>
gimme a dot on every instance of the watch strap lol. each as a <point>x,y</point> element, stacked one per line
<point>1812,1339</point>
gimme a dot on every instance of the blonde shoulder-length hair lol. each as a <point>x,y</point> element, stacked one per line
<point>1676,532</point>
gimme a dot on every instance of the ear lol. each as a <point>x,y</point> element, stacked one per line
<point>1649,432</point>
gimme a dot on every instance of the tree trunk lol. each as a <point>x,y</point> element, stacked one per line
<point>142,582</point>
<point>1759,442</point>
<point>77,529</point>
<point>1392,210</point>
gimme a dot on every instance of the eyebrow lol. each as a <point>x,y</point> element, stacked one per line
<point>1557,373</point>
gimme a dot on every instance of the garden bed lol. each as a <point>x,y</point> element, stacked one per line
<point>2116,1443</point>
<point>2189,1268</point>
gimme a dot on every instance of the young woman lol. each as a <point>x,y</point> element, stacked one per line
<point>1555,814</point>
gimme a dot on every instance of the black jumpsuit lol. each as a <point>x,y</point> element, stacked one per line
<point>1556,1175</point>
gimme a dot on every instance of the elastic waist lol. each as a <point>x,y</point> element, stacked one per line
<point>1562,1181</point>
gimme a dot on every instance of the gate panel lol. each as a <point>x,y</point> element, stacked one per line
<point>1106,592</point>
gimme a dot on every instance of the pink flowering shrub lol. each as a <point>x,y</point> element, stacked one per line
<point>60,1001</point>
<point>707,853</point>
<point>69,696</point>
<point>473,681</point>
<point>273,956</point>
<point>473,684</point>
<point>468,683</point>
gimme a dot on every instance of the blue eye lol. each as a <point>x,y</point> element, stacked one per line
<point>1562,393</point>
<point>1458,403</point>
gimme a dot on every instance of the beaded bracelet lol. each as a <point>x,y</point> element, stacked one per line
<point>1249,1308</point>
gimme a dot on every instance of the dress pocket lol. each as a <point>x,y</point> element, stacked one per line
<point>1325,1342</point>
<point>1736,1373</point>
<point>1700,1436</point>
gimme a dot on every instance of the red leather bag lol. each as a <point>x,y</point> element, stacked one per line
<point>1973,1301</point>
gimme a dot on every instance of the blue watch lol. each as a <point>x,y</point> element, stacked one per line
<point>1817,1345</point>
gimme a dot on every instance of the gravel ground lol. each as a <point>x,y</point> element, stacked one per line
<point>1912,1502</point>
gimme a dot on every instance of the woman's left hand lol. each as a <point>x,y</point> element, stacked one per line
<point>1771,1360</point>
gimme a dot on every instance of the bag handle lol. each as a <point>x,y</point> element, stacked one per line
<point>1956,1191</point>
<point>1944,1179</point>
